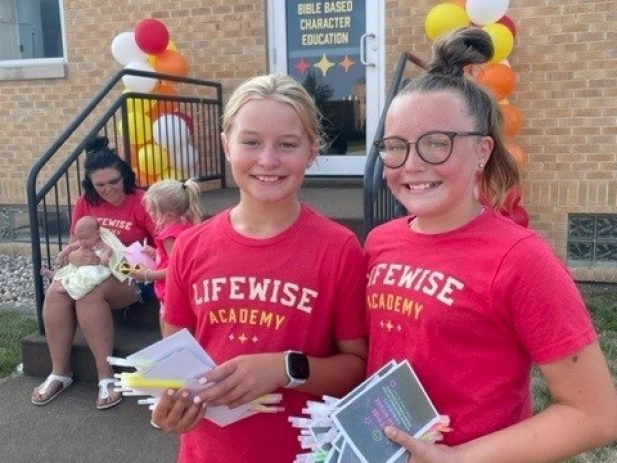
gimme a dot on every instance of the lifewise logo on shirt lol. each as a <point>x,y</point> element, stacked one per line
<point>116,224</point>
<point>429,282</point>
<point>242,288</point>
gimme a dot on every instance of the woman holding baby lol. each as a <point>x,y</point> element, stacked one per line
<point>110,195</point>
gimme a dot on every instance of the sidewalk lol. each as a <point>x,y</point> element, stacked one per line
<point>70,429</point>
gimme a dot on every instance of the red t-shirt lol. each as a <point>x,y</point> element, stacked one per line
<point>129,221</point>
<point>300,290</point>
<point>162,258</point>
<point>472,309</point>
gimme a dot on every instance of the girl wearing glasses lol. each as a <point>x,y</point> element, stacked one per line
<point>472,299</point>
<point>110,195</point>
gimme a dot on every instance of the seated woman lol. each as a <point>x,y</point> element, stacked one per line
<point>110,195</point>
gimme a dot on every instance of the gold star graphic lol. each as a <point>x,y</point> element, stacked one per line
<point>242,338</point>
<point>232,337</point>
<point>389,325</point>
<point>347,63</point>
<point>324,64</point>
<point>255,339</point>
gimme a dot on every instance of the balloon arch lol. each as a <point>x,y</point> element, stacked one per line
<point>159,133</point>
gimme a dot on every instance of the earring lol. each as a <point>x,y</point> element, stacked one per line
<point>480,166</point>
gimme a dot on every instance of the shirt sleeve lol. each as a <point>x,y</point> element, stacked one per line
<point>178,307</point>
<point>547,310</point>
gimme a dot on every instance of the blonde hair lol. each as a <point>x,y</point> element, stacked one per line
<point>451,53</point>
<point>282,89</point>
<point>174,196</point>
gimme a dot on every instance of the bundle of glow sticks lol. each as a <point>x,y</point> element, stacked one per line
<point>350,429</point>
<point>178,362</point>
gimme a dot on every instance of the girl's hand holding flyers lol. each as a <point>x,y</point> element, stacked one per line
<point>245,378</point>
<point>178,411</point>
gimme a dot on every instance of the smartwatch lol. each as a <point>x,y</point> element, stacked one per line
<point>297,368</point>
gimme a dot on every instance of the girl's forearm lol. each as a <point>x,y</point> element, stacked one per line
<point>553,435</point>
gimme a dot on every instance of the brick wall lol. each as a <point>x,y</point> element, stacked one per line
<point>565,58</point>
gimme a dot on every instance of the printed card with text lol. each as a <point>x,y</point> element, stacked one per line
<point>396,398</point>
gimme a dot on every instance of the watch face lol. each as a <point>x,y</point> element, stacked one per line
<point>298,366</point>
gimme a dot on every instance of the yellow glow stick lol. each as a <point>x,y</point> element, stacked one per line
<point>139,382</point>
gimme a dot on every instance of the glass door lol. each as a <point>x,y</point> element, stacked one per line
<point>333,49</point>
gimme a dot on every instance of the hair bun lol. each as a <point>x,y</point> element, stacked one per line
<point>453,51</point>
<point>96,144</point>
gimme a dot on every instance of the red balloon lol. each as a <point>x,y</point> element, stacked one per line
<point>509,24</point>
<point>152,36</point>
<point>186,118</point>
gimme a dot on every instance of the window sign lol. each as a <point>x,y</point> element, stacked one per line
<point>323,53</point>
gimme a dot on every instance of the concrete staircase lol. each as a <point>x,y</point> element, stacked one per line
<point>138,326</point>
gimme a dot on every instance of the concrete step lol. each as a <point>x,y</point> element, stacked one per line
<point>135,328</point>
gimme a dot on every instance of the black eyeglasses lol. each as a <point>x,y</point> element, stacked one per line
<point>432,147</point>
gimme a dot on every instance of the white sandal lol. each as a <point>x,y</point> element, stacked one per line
<point>44,388</point>
<point>107,396</point>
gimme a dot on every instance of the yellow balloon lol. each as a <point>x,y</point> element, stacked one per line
<point>140,128</point>
<point>153,159</point>
<point>137,105</point>
<point>445,17</point>
<point>151,59</point>
<point>172,174</point>
<point>502,39</point>
<point>172,46</point>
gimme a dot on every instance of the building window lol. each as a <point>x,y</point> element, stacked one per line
<point>592,239</point>
<point>31,39</point>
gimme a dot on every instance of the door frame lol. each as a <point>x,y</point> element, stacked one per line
<point>375,79</point>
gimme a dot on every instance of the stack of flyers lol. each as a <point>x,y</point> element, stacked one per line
<point>178,362</point>
<point>351,429</point>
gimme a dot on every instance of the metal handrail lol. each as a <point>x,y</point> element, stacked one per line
<point>38,196</point>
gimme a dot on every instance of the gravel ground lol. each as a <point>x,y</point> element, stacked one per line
<point>16,283</point>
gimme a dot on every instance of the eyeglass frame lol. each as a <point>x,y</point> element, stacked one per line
<point>408,143</point>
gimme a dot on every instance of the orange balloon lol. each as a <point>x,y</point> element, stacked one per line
<point>164,88</point>
<point>499,78</point>
<point>171,62</point>
<point>512,118</point>
<point>163,107</point>
<point>519,154</point>
<point>134,151</point>
<point>144,180</point>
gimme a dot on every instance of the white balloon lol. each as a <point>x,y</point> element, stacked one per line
<point>184,159</point>
<point>124,49</point>
<point>138,83</point>
<point>171,132</point>
<point>483,12</point>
